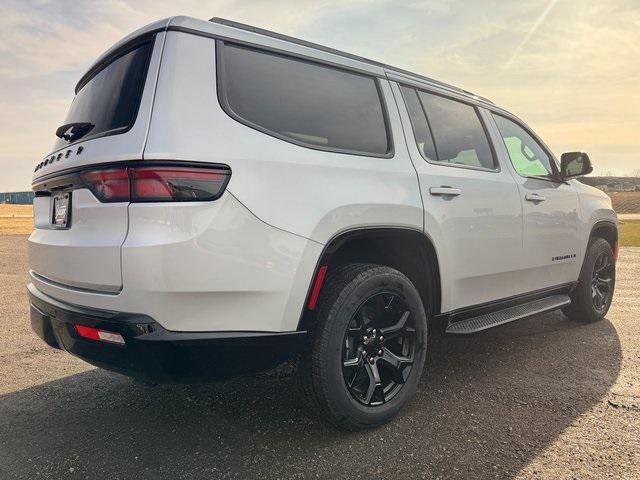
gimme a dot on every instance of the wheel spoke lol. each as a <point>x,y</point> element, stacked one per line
<point>602,265</point>
<point>353,362</point>
<point>397,329</point>
<point>604,282</point>
<point>354,331</point>
<point>397,364</point>
<point>374,381</point>
<point>599,297</point>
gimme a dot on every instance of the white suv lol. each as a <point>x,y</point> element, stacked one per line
<point>222,199</point>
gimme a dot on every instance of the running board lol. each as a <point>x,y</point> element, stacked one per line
<point>488,320</point>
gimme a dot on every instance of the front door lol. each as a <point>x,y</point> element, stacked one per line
<point>550,208</point>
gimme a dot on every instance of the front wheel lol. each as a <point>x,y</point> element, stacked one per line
<point>593,294</point>
<point>368,347</point>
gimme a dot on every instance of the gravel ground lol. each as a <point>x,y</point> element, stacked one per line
<point>539,398</point>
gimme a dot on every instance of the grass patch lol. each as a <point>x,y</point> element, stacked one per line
<point>630,233</point>
<point>16,219</point>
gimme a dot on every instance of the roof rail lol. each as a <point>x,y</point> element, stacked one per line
<point>304,43</point>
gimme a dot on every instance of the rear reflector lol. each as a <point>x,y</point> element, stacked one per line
<point>157,183</point>
<point>317,286</point>
<point>99,335</point>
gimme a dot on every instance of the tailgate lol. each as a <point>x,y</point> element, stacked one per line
<point>106,124</point>
<point>86,255</point>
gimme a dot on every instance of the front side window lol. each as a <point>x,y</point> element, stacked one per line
<point>109,101</point>
<point>303,102</point>
<point>527,156</point>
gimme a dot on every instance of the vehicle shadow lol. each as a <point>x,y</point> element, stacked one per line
<point>487,405</point>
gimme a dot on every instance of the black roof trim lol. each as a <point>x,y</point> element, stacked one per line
<point>304,43</point>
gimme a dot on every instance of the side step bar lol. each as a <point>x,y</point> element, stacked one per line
<point>493,319</point>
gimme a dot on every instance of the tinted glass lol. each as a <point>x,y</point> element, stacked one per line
<point>111,98</point>
<point>421,130</point>
<point>305,102</point>
<point>526,154</point>
<point>458,134</point>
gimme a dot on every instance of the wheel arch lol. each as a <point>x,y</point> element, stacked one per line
<point>408,250</point>
<point>605,229</point>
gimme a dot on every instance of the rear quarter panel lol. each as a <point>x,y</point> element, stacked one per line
<point>311,193</point>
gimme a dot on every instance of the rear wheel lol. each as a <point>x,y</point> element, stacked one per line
<point>592,296</point>
<point>368,347</point>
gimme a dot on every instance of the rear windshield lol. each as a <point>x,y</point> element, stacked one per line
<point>110,99</point>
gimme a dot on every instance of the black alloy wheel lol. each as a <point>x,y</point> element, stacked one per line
<point>368,346</point>
<point>602,282</point>
<point>379,349</point>
<point>593,293</point>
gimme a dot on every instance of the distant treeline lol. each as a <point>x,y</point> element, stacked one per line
<point>21,198</point>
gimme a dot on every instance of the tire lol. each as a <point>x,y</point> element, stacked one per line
<point>358,297</point>
<point>586,305</point>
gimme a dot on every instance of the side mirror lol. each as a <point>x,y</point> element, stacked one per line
<point>574,164</point>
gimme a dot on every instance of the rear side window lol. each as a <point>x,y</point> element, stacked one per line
<point>110,99</point>
<point>421,129</point>
<point>459,136</point>
<point>448,131</point>
<point>303,102</point>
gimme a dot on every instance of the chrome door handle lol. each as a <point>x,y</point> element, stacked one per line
<point>445,191</point>
<point>534,197</point>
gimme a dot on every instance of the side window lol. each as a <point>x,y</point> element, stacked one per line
<point>459,135</point>
<point>304,102</point>
<point>421,130</point>
<point>526,154</point>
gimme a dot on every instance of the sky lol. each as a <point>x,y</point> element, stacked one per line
<point>569,68</point>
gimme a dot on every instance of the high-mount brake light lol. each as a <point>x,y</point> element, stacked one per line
<point>156,183</point>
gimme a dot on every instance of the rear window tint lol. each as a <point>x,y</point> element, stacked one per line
<point>448,131</point>
<point>110,99</point>
<point>303,102</point>
<point>421,130</point>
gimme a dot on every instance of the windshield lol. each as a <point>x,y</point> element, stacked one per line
<point>109,100</point>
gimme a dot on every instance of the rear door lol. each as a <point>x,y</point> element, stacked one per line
<point>550,207</point>
<point>77,239</point>
<point>472,209</point>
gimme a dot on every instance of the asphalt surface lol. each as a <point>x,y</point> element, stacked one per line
<point>539,398</point>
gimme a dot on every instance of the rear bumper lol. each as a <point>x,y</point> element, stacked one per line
<point>155,354</point>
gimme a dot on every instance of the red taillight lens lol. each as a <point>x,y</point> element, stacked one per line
<point>108,185</point>
<point>156,183</point>
<point>176,184</point>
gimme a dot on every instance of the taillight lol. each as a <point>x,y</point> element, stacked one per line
<point>156,183</point>
<point>110,185</point>
<point>176,184</point>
